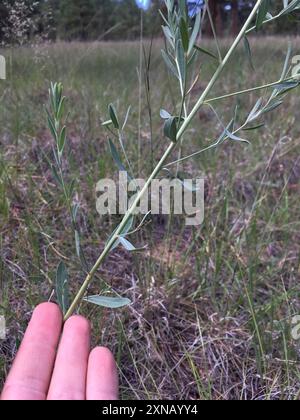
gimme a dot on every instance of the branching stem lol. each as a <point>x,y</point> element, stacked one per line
<point>161,163</point>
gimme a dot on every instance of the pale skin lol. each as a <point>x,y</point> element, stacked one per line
<point>54,362</point>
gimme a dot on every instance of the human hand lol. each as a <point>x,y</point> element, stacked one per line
<point>55,366</point>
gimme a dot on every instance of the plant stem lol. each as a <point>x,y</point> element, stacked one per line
<point>218,72</point>
<point>213,31</point>
<point>160,165</point>
<point>241,92</point>
<point>117,232</point>
<point>140,72</point>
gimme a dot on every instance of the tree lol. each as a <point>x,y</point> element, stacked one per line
<point>74,19</point>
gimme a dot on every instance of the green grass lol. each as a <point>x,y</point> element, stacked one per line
<point>212,305</point>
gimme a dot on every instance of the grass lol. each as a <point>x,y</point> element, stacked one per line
<point>212,306</point>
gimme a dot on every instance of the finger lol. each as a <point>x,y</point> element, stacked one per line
<point>69,375</point>
<point>31,372</point>
<point>102,377</point>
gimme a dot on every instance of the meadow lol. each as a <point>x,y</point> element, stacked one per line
<point>212,306</point>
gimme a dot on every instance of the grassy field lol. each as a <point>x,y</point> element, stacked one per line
<point>212,305</point>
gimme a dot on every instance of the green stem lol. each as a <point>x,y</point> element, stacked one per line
<point>140,71</point>
<point>220,69</point>
<point>160,165</point>
<point>241,92</point>
<point>183,109</point>
<point>264,22</point>
<point>214,31</point>
<point>112,240</point>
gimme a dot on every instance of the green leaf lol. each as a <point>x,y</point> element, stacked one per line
<point>262,13</point>
<point>248,52</point>
<point>273,106</point>
<point>51,126</point>
<point>294,5</point>
<point>61,108</point>
<point>181,60</point>
<point>256,127</point>
<point>170,63</point>
<point>168,35</point>
<point>107,123</point>
<point>126,117</point>
<point>75,209</point>
<point>127,228</point>
<point>62,287</point>
<point>170,129</point>
<point>77,244</point>
<point>236,138</point>
<point>108,302</point>
<point>184,31</point>
<point>116,158</point>
<point>183,8</point>
<point>165,115</point>
<point>285,87</point>
<point>255,112</point>
<point>113,116</point>
<point>71,188</point>
<point>195,33</point>
<point>62,139</point>
<point>56,175</point>
<point>128,245</point>
<point>205,51</point>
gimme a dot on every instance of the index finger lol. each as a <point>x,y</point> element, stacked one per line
<point>30,375</point>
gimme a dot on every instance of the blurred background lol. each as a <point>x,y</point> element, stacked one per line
<point>90,20</point>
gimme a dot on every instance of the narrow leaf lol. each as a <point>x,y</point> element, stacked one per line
<point>181,60</point>
<point>195,33</point>
<point>62,287</point>
<point>256,127</point>
<point>165,115</point>
<point>255,111</point>
<point>52,129</point>
<point>126,117</point>
<point>113,116</point>
<point>169,63</point>
<point>248,52</point>
<point>273,106</point>
<point>205,51</point>
<point>108,302</point>
<point>184,31</point>
<point>77,244</point>
<point>127,228</point>
<point>170,129</point>
<point>107,123</point>
<point>116,157</point>
<point>62,139</point>
<point>236,138</point>
<point>262,13</point>
<point>56,175</point>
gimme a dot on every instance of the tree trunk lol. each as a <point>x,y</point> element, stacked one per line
<point>235,18</point>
